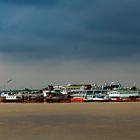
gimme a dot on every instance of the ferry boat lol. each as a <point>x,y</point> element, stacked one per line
<point>26,95</point>
<point>90,96</point>
<point>77,96</point>
<point>55,94</point>
<point>124,95</point>
<point>7,97</point>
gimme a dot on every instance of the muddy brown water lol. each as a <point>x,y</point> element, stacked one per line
<point>70,121</point>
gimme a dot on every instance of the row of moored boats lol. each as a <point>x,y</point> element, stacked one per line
<point>74,93</point>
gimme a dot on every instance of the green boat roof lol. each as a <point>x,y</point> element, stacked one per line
<point>56,92</point>
<point>25,90</point>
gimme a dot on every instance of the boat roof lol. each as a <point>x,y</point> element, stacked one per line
<point>24,90</point>
<point>127,90</point>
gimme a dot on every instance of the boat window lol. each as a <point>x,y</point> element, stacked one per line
<point>89,92</point>
<point>97,91</point>
<point>104,91</point>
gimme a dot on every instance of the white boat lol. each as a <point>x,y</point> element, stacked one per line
<point>5,97</point>
<point>97,96</point>
<point>123,95</point>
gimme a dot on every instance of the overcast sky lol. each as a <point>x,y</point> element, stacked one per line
<point>69,41</point>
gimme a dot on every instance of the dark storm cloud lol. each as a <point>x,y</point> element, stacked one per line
<point>29,2</point>
<point>83,29</point>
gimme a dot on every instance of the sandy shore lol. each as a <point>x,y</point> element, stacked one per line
<point>70,121</point>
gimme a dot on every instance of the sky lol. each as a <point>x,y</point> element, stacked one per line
<point>69,41</point>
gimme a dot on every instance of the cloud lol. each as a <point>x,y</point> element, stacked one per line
<point>40,74</point>
<point>76,29</point>
<point>29,2</point>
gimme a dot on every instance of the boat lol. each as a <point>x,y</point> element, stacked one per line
<point>97,95</point>
<point>25,95</point>
<point>7,97</point>
<point>77,96</point>
<point>124,95</point>
<point>89,95</point>
<point>55,94</point>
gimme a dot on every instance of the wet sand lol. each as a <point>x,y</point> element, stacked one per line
<point>70,121</point>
